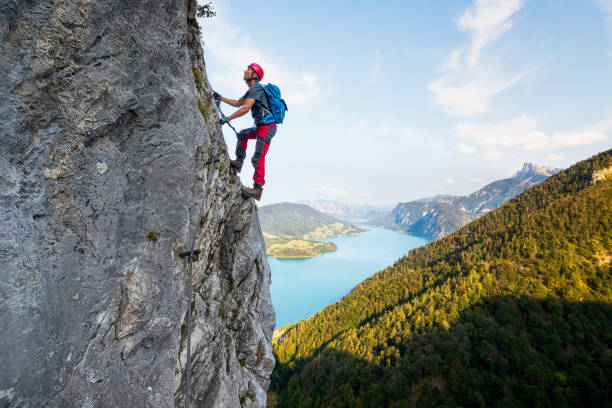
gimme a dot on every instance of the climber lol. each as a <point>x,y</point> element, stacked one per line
<point>254,100</point>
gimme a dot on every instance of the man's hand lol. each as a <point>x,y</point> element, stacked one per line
<point>223,121</point>
<point>217,96</point>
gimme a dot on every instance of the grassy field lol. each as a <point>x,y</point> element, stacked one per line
<point>299,248</point>
<point>333,230</point>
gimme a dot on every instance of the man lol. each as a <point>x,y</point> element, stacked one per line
<point>254,100</point>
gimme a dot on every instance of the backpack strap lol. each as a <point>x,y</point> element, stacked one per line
<point>269,117</point>
<point>267,107</point>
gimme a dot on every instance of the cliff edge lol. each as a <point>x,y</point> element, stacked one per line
<point>107,127</point>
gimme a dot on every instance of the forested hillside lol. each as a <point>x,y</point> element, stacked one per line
<point>292,230</point>
<point>512,310</point>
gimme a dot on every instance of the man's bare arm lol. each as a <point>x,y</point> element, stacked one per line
<point>235,103</point>
<point>246,107</point>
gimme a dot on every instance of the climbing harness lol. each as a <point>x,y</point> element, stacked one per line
<point>193,255</point>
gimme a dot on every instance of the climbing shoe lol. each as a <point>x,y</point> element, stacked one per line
<point>254,192</point>
<point>236,165</point>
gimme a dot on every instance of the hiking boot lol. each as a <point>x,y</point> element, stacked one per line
<point>254,192</point>
<point>236,165</point>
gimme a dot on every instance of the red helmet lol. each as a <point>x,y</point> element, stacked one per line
<point>257,69</point>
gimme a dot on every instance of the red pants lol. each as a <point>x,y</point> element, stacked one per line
<point>264,135</point>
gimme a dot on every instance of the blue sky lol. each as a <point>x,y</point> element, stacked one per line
<point>391,101</point>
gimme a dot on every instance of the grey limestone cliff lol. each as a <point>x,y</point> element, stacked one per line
<point>106,129</point>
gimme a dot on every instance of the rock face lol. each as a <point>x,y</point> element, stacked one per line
<point>441,215</point>
<point>107,127</point>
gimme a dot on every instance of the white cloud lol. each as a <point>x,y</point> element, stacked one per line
<point>469,97</point>
<point>400,131</point>
<point>454,60</point>
<point>577,138</point>
<point>518,132</point>
<point>468,85</point>
<point>493,155</point>
<point>232,49</point>
<point>554,157</point>
<point>450,181</point>
<point>606,7</point>
<point>604,126</point>
<point>466,149</point>
<point>332,191</point>
<point>436,143</point>
<point>487,20</point>
<point>474,179</point>
<point>384,129</point>
<point>361,125</point>
<point>376,70</point>
<point>523,133</point>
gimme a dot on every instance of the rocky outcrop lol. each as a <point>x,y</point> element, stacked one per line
<point>601,175</point>
<point>106,129</point>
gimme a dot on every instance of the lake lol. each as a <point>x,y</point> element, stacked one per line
<point>301,287</point>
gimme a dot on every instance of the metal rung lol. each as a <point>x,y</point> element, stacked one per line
<point>195,257</point>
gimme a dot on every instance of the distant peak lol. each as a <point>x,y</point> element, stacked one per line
<point>532,169</point>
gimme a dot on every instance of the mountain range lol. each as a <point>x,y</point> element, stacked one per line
<point>347,210</point>
<point>440,215</point>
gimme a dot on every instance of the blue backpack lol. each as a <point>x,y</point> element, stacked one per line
<point>277,105</point>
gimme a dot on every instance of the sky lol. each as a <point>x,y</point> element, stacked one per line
<point>393,101</point>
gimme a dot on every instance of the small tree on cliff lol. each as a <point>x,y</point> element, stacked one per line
<point>206,10</point>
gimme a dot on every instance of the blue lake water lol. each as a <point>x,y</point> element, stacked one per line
<point>301,287</point>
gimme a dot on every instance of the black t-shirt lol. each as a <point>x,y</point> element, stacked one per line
<point>260,107</point>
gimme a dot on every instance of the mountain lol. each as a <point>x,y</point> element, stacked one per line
<point>345,210</point>
<point>435,198</point>
<point>512,310</point>
<point>442,214</point>
<point>291,230</point>
<point>107,129</point>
